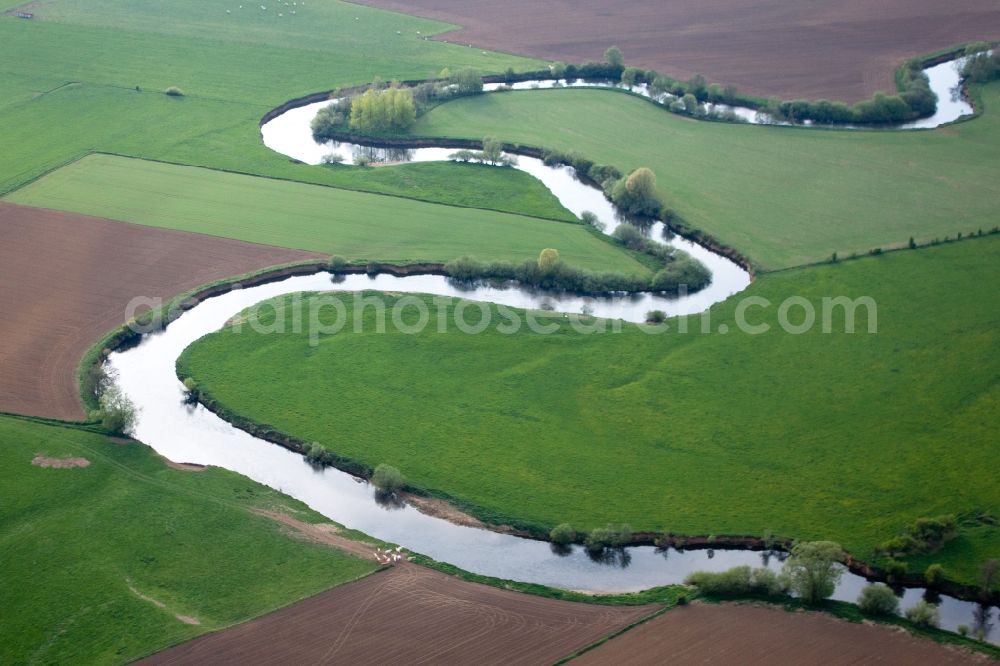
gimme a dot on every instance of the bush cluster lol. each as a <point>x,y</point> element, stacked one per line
<point>319,456</point>
<point>558,276</point>
<point>915,100</point>
<point>739,582</point>
<point>981,65</point>
<point>925,535</point>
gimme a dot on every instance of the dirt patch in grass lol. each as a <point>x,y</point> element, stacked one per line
<point>66,280</point>
<point>186,619</point>
<point>59,463</point>
<point>324,533</point>
<point>186,467</point>
<point>840,49</point>
<point>759,634</point>
<point>432,506</point>
<point>408,615</point>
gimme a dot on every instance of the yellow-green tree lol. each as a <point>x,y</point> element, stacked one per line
<point>383,110</point>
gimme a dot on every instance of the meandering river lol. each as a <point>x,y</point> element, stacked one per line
<point>190,433</point>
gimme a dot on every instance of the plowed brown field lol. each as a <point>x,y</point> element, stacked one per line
<point>838,49</point>
<point>66,279</point>
<point>752,634</point>
<point>409,615</point>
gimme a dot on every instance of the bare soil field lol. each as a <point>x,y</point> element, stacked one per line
<point>409,615</point>
<point>66,280</point>
<point>756,634</point>
<point>837,49</point>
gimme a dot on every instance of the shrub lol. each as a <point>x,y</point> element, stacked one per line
<point>388,479</point>
<point>683,269</point>
<point>934,574</point>
<point>963,629</point>
<point>612,536</point>
<point>463,156</point>
<point>878,599</point>
<point>923,614</point>
<point>562,535</point>
<point>895,570</point>
<point>190,385</point>
<point>362,160</point>
<point>925,535</point>
<point>813,569</point>
<point>656,317</point>
<point>117,413</point>
<point>333,158</point>
<point>174,91</point>
<point>337,263</point>
<point>591,219</point>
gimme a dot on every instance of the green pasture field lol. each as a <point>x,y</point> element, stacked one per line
<point>782,196</point>
<point>356,225</point>
<point>839,436</point>
<point>67,89</point>
<point>73,541</point>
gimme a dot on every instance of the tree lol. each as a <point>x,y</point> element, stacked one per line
<point>613,56</point>
<point>636,193</point>
<point>696,86</point>
<point>878,599</point>
<point>813,570</point>
<point>388,479</point>
<point>547,260</point>
<point>629,76</point>
<point>383,110</point>
<point>612,536</point>
<point>117,413</point>
<point>690,103</point>
<point>934,574</point>
<point>492,150</point>
<point>988,577</point>
<point>469,81</point>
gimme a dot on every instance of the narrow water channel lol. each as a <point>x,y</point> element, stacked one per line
<point>190,433</point>
<point>186,433</point>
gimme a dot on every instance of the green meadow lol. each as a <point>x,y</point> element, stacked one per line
<point>356,225</point>
<point>783,196</point>
<point>839,436</point>
<point>78,546</point>
<point>86,77</point>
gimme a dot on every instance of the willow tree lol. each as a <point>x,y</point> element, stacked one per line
<point>383,110</point>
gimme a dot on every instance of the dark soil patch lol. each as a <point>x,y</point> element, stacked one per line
<point>66,280</point>
<point>839,49</point>
<point>758,634</point>
<point>406,615</point>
